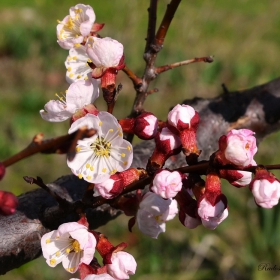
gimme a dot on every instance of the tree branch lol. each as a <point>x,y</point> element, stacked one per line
<point>166,21</point>
<point>164,68</point>
<point>151,52</point>
<point>152,10</point>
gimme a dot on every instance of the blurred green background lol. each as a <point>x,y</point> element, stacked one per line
<point>243,35</point>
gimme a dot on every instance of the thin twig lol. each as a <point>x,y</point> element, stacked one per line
<point>152,10</point>
<point>137,82</point>
<point>164,68</point>
<point>151,91</point>
<point>151,52</point>
<point>163,28</point>
<point>62,144</point>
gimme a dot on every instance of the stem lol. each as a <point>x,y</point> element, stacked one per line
<point>164,68</point>
<point>166,21</point>
<point>137,82</point>
<point>66,143</point>
<point>152,10</point>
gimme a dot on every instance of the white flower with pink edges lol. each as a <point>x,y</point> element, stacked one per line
<point>75,26</point>
<point>104,53</point>
<point>123,264</point>
<point>104,153</point>
<point>154,212</point>
<point>77,65</point>
<point>70,244</point>
<point>78,95</point>
<point>211,216</point>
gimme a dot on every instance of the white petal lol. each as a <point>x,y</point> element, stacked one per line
<point>81,93</point>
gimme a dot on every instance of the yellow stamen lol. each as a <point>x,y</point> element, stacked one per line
<point>57,253</point>
<point>76,246</point>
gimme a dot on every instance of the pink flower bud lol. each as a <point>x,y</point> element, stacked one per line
<point>113,186</point>
<point>212,205</point>
<point>167,144</point>
<point>123,264</point>
<point>237,178</point>
<point>8,203</point>
<point>167,184</point>
<point>265,188</point>
<point>183,117</point>
<point>145,126</point>
<point>185,120</point>
<point>238,147</point>
<point>212,216</point>
<point>110,188</point>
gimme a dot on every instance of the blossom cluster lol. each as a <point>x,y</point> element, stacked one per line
<point>90,60</point>
<point>105,158</point>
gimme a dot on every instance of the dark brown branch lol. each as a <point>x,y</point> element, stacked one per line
<point>150,56</point>
<point>163,28</point>
<point>151,32</point>
<point>66,143</point>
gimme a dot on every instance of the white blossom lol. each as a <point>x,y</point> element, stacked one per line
<point>103,154</point>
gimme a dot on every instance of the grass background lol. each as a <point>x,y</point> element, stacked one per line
<point>243,35</point>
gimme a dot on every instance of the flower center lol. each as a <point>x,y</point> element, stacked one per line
<point>76,246</point>
<point>159,219</point>
<point>71,28</point>
<point>101,147</point>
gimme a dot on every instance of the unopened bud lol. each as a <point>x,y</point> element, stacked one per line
<point>8,203</point>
